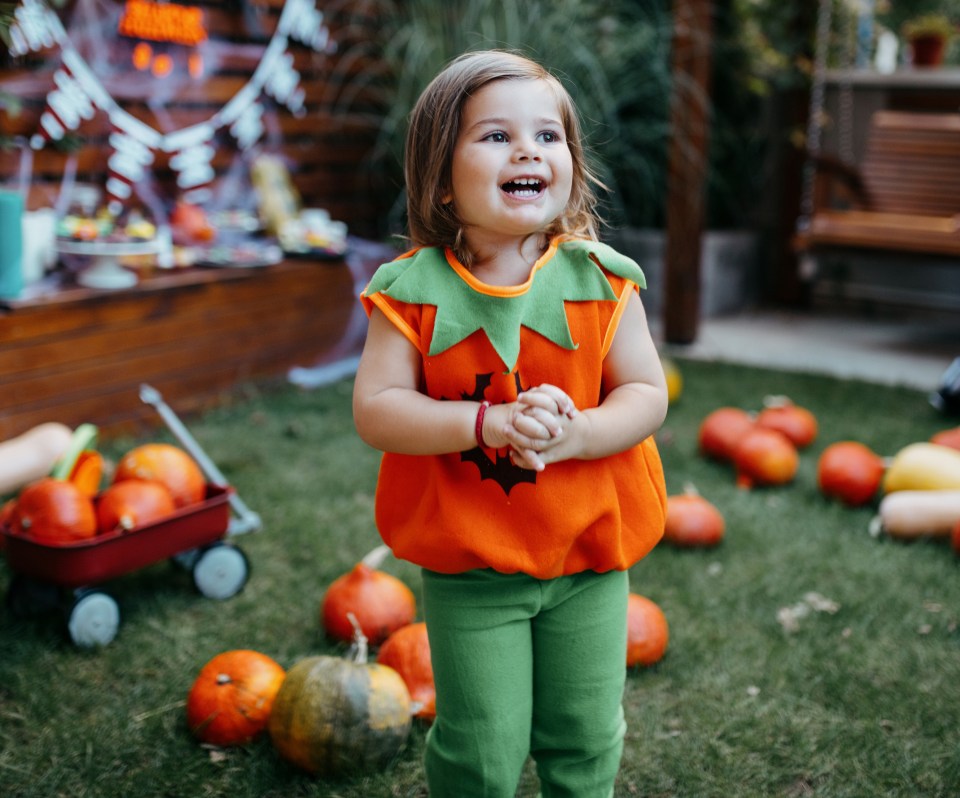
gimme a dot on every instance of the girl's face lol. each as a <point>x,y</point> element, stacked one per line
<point>512,170</point>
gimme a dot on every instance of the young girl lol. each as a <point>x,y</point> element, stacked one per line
<point>510,379</point>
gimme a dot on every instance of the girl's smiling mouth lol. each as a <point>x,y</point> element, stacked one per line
<point>524,187</point>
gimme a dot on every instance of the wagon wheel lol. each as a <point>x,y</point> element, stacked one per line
<point>27,597</point>
<point>221,571</point>
<point>93,619</point>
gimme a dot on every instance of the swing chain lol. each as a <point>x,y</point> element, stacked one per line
<point>849,44</point>
<point>815,117</point>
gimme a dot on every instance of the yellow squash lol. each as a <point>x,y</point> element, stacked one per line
<point>923,466</point>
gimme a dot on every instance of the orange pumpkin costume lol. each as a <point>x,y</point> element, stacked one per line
<point>466,510</point>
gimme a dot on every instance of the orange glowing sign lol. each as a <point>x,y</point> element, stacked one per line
<point>162,22</point>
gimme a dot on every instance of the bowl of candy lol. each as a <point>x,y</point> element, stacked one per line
<point>92,240</point>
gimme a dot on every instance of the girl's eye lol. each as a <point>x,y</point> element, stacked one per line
<point>550,137</point>
<point>498,137</point>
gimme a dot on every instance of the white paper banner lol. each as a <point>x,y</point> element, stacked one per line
<point>79,93</point>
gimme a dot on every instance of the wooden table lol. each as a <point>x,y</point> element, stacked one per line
<point>74,354</point>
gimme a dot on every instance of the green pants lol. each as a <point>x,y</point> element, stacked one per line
<point>525,666</point>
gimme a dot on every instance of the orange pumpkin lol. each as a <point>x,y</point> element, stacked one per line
<point>168,464</point>
<point>765,457</point>
<point>849,471</point>
<point>407,651</point>
<point>53,512</point>
<point>692,521</point>
<point>797,423</point>
<point>722,430</point>
<point>133,502</point>
<point>232,697</point>
<point>647,631</point>
<point>87,472</point>
<point>380,602</point>
<point>947,437</point>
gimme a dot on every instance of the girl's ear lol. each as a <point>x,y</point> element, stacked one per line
<point>447,197</point>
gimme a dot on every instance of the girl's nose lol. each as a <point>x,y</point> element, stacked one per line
<point>526,151</point>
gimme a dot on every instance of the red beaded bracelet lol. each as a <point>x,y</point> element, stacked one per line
<point>478,429</point>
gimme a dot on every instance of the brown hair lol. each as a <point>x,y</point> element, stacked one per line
<point>432,135</point>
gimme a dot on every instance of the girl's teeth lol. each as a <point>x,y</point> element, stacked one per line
<point>523,188</point>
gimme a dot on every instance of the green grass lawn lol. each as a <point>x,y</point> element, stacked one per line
<point>860,701</point>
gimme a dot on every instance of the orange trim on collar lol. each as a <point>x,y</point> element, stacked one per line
<point>501,290</point>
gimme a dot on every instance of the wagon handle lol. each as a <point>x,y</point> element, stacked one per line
<point>248,520</point>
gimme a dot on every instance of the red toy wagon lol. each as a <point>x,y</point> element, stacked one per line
<point>195,537</point>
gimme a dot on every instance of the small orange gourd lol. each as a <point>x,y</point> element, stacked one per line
<point>232,697</point>
<point>692,521</point>
<point>407,651</point>
<point>87,472</point>
<point>850,472</point>
<point>380,602</point>
<point>947,437</point>
<point>765,457</point>
<point>797,423</point>
<point>647,631</point>
<point>722,430</point>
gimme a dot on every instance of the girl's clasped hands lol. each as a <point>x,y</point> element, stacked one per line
<point>536,427</point>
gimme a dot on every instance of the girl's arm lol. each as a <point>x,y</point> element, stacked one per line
<point>391,414</point>
<point>636,401</point>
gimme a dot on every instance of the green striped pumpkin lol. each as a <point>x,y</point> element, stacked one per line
<point>333,717</point>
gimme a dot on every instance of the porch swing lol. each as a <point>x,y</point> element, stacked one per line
<point>904,195</point>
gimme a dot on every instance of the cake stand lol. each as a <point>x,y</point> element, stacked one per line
<point>105,270</point>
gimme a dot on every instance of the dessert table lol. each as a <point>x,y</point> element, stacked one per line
<point>73,354</point>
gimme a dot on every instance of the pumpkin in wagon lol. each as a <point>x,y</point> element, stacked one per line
<point>53,512</point>
<point>335,716</point>
<point>232,697</point>
<point>168,464</point>
<point>131,503</point>
<point>80,462</point>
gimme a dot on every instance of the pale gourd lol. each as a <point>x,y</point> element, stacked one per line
<point>909,514</point>
<point>923,466</point>
<point>31,455</point>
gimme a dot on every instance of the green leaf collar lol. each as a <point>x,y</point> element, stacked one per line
<point>573,274</point>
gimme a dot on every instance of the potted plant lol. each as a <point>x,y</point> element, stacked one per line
<point>928,36</point>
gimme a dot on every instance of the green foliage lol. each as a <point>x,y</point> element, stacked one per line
<point>929,25</point>
<point>860,701</point>
<point>895,14</point>
<point>615,58</point>
<point>612,56</point>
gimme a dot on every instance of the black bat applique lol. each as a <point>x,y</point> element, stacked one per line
<point>500,469</point>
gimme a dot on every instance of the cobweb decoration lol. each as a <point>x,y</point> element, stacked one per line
<point>79,94</point>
